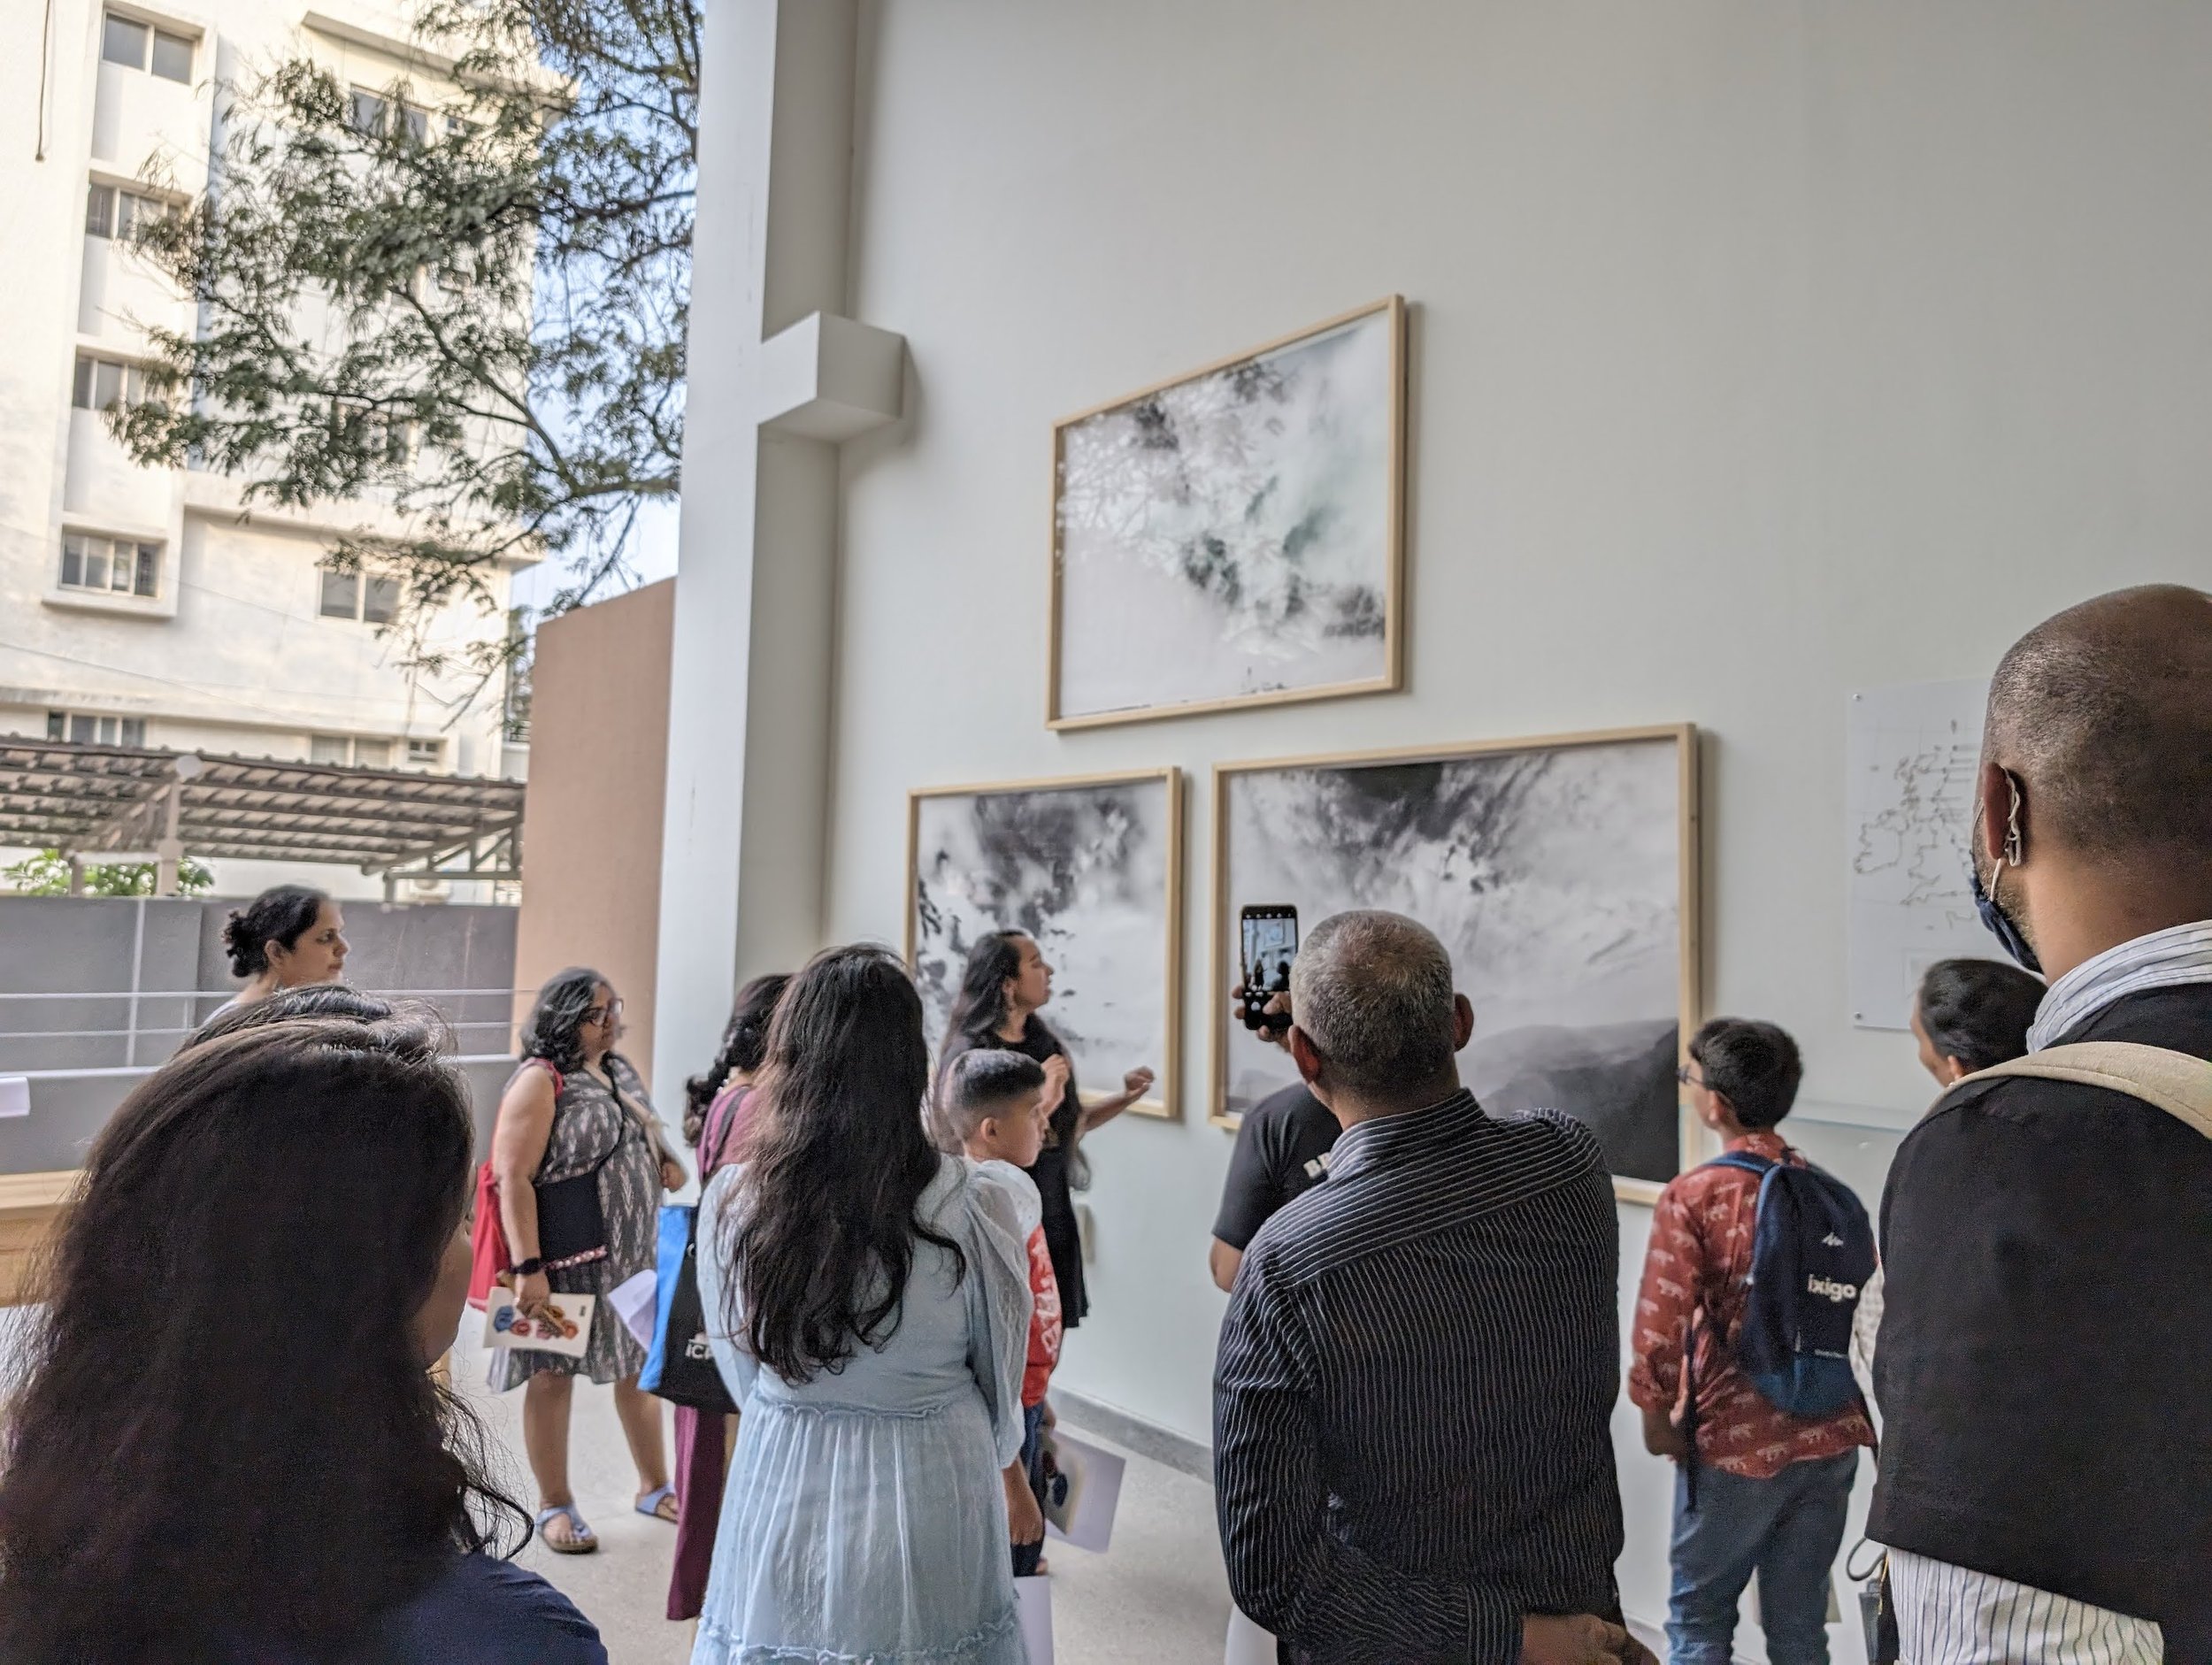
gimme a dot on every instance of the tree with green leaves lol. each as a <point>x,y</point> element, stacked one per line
<point>46,873</point>
<point>463,309</point>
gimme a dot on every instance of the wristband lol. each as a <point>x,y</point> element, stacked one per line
<point>530,1267</point>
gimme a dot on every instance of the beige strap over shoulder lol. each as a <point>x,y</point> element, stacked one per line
<point>2177,1082</point>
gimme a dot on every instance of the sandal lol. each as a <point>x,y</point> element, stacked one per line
<point>581,1540</point>
<point>651,1502</point>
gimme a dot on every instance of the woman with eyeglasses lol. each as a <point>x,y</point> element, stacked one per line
<point>577,1129</point>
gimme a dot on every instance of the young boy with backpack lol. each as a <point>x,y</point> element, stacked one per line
<point>1742,1358</point>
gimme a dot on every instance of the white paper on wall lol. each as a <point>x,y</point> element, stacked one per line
<point>15,1096</point>
<point>1910,754</point>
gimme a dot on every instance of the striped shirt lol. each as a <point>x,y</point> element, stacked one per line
<point>1411,1402</point>
<point>2163,959</point>
<point>1952,1615</point>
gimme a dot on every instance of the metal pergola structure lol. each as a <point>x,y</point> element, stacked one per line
<point>115,804</point>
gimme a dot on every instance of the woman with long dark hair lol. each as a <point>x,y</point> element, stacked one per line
<point>226,1445</point>
<point>868,1303</point>
<point>1006,981</point>
<point>719,1107</point>
<point>577,1110</point>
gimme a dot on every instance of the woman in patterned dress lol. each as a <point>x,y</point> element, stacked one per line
<point>576,1104</point>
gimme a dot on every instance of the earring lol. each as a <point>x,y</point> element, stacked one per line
<point>2013,855</point>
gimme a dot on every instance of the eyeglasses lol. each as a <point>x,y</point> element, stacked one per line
<point>601,1014</point>
<point>1682,1074</point>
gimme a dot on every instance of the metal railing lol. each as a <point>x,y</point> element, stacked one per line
<point>88,1034</point>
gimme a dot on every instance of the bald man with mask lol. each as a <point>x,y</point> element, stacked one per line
<point>2045,1477</point>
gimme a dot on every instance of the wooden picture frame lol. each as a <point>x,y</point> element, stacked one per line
<point>1391,675</point>
<point>1165,1102</point>
<point>1684,738</point>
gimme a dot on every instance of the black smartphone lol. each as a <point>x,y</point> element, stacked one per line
<point>1269,933</point>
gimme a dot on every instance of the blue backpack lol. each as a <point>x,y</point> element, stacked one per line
<point>1812,1255</point>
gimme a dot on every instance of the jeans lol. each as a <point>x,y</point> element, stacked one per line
<point>1032,1459</point>
<point>1788,1530</point>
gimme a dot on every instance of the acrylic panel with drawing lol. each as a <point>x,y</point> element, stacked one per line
<point>1235,536</point>
<point>1554,875</point>
<point>1091,869</point>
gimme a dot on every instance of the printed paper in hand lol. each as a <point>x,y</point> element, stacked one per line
<point>633,1302</point>
<point>568,1332</point>
<point>1082,1486</point>
<point>1032,1598</point>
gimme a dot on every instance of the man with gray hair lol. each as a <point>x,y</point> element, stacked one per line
<point>1412,1458</point>
<point>2046,1479</point>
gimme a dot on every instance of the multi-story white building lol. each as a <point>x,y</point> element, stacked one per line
<point>147,606</point>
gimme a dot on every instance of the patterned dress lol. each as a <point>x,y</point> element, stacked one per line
<point>588,1121</point>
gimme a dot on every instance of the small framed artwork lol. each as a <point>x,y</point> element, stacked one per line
<point>1560,873</point>
<point>1092,868</point>
<point>1235,536</point>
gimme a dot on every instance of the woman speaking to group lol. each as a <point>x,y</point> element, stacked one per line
<point>1006,981</point>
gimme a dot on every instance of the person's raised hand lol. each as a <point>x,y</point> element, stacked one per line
<point>1137,1082</point>
<point>1577,1639</point>
<point>1056,1074</point>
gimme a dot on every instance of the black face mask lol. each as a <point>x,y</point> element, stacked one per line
<point>2001,924</point>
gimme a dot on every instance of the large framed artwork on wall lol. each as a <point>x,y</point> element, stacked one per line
<point>1235,536</point>
<point>1092,868</point>
<point>1560,873</point>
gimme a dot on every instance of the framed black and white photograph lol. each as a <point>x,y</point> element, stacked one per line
<point>1092,870</point>
<point>1560,874</point>
<point>1235,536</point>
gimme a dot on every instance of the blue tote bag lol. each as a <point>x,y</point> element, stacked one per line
<point>679,1367</point>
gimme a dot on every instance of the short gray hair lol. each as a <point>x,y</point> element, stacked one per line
<point>1373,993</point>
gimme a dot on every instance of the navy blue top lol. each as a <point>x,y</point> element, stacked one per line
<point>483,1612</point>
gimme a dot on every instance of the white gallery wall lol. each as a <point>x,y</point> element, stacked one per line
<point>1760,352</point>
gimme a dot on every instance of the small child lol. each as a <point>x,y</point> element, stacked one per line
<point>995,1103</point>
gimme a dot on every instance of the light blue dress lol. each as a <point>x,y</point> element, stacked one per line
<point>864,1522</point>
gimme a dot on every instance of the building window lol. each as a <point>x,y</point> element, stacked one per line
<point>103,383</point>
<point>385,436</point>
<point>426,754</point>
<point>347,751</point>
<point>136,45</point>
<point>370,597</point>
<point>371,112</point>
<point>113,212</point>
<point>87,730</point>
<point>123,566</point>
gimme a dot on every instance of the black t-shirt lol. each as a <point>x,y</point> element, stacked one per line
<point>1282,1150</point>
<point>1063,1237</point>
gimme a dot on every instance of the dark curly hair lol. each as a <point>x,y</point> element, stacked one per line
<point>744,1043</point>
<point>550,1031</point>
<point>836,1161</point>
<point>224,1439</point>
<point>281,916</point>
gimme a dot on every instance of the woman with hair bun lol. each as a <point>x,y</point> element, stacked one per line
<point>289,937</point>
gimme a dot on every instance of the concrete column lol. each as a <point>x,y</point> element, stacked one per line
<point>751,662</point>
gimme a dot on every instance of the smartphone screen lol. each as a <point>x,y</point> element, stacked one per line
<point>1270,943</point>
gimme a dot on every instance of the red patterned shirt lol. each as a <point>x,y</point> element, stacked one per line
<point>1699,1263</point>
<point>1044,1321</point>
